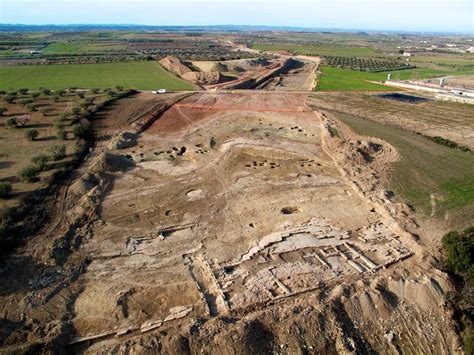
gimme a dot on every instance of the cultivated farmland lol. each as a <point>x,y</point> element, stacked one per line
<point>135,75</point>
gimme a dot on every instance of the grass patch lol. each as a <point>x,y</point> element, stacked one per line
<point>425,168</point>
<point>334,132</point>
<point>133,75</point>
<point>336,79</point>
<point>80,47</point>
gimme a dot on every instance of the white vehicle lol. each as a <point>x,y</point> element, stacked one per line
<point>159,91</point>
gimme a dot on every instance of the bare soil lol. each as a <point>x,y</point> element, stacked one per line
<point>236,224</point>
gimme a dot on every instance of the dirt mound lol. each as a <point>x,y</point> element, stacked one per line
<point>228,66</point>
<point>123,140</point>
<point>245,64</point>
<point>177,67</point>
<point>205,78</point>
<point>174,65</point>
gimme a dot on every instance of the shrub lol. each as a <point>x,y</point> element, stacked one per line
<point>56,98</point>
<point>448,143</point>
<point>28,174</point>
<point>39,161</point>
<point>58,152</point>
<point>5,189</point>
<point>76,110</point>
<point>24,102</point>
<point>334,132</point>
<point>82,131</point>
<point>87,101</point>
<point>75,119</point>
<point>63,116</point>
<point>443,141</point>
<point>59,127</point>
<point>58,122</point>
<point>459,249</point>
<point>35,94</point>
<point>45,91</point>
<point>81,94</point>
<point>61,133</point>
<point>32,107</point>
<point>119,88</point>
<point>94,90</point>
<point>9,98</point>
<point>62,92</point>
<point>31,134</point>
<point>45,110</point>
<point>3,110</point>
<point>11,122</point>
<point>23,91</point>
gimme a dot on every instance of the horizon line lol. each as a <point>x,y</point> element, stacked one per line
<point>245,25</point>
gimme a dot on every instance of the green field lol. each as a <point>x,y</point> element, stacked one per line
<point>338,79</point>
<point>425,168</point>
<point>81,47</point>
<point>132,75</point>
<point>319,50</point>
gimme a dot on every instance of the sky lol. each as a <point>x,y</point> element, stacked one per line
<point>399,15</point>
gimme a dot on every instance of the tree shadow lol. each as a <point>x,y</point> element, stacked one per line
<point>7,329</point>
<point>37,125</point>
<point>15,273</point>
<point>12,179</point>
<point>46,139</point>
<point>59,164</point>
<point>6,164</point>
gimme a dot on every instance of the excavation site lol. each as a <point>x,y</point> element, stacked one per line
<point>226,222</point>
